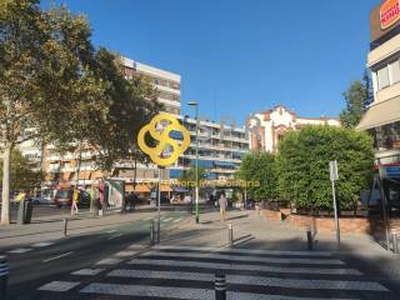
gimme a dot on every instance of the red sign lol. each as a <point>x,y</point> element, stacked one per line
<point>389,13</point>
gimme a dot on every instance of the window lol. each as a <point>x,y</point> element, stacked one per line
<point>395,71</point>
<point>383,78</point>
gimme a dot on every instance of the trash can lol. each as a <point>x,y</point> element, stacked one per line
<point>25,210</point>
<point>28,212</point>
<point>4,270</point>
<point>21,212</point>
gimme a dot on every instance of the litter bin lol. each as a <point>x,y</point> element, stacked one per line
<point>21,212</point>
<point>25,210</point>
<point>28,212</point>
<point>4,270</point>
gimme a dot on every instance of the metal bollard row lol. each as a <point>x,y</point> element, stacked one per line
<point>230,235</point>
<point>4,271</point>
<point>395,242</point>
<point>154,232</point>
<point>65,222</point>
<point>310,245</point>
<point>220,287</point>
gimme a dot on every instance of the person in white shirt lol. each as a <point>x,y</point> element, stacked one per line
<point>223,204</point>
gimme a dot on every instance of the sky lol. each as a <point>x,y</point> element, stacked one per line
<point>238,57</point>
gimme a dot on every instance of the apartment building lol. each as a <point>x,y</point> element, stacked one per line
<point>382,119</point>
<point>267,128</point>
<point>221,148</point>
<point>219,154</point>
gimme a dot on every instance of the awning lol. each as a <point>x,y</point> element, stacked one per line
<point>97,174</point>
<point>224,164</point>
<point>67,176</point>
<point>84,175</point>
<point>166,188</point>
<point>380,114</point>
<point>141,188</point>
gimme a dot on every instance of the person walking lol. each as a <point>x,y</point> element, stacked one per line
<point>223,204</point>
<point>132,199</point>
<point>75,200</point>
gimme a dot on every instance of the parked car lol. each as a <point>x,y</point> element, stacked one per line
<point>41,200</point>
<point>63,197</point>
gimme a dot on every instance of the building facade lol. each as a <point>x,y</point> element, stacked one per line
<point>267,128</point>
<point>382,119</point>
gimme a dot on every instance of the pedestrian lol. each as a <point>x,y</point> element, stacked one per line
<point>101,188</point>
<point>132,198</point>
<point>223,204</point>
<point>75,200</point>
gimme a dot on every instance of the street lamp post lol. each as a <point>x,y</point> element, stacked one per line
<point>195,104</point>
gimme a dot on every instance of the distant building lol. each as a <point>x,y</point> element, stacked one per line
<point>267,128</point>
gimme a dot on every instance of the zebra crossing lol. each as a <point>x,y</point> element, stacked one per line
<point>179,272</point>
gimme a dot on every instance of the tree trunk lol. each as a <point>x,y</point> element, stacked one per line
<point>5,208</point>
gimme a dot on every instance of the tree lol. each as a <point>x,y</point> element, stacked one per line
<point>130,103</point>
<point>189,176</point>
<point>302,166</point>
<point>356,96</point>
<point>259,166</point>
<point>46,62</point>
<point>22,176</point>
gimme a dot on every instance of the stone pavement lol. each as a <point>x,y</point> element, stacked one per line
<point>268,261</point>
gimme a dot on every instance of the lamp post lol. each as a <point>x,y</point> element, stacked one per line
<point>195,104</point>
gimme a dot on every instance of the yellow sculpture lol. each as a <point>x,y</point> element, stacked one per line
<point>162,136</point>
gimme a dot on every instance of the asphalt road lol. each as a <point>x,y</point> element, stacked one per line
<point>43,264</point>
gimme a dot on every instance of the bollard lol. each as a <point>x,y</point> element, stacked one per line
<point>65,226</point>
<point>395,243</point>
<point>230,235</point>
<point>4,271</point>
<point>152,238</point>
<point>309,238</point>
<point>220,287</point>
<point>158,230</point>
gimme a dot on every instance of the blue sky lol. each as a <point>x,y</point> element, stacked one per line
<point>242,56</point>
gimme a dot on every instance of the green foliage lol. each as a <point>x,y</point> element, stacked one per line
<point>189,176</point>
<point>130,104</point>
<point>302,165</point>
<point>259,167</point>
<point>53,81</point>
<point>22,175</point>
<point>356,97</point>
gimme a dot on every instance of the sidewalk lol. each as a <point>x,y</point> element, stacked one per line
<point>253,231</point>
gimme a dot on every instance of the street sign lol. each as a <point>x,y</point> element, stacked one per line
<point>392,171</point>
<point>334,175</point>
<point>333,170</point>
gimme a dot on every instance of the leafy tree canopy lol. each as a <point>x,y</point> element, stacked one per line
<point>356,96</point>
<point>259,166</point>
<point>302,165</point>
<point>22,175</point>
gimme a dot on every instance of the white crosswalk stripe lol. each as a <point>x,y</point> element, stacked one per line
<point>248,259</point>
<point>178,292</point>
<point>20,250</point>
<point>188,272</point>
<point>42,244</point>
<point>245,267</point>
<point>252,280</point>
<point>245,251</point>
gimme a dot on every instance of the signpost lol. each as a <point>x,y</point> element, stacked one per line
<point>334,175</point>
